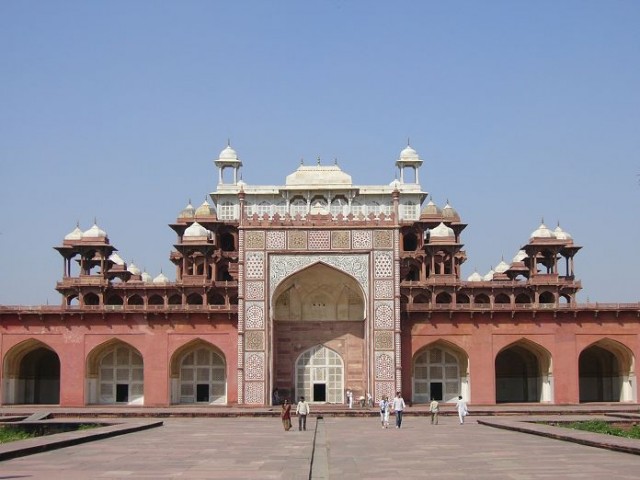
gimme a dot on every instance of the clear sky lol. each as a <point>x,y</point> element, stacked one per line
<point>521,110</point>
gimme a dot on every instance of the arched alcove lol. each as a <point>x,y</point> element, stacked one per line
<point>523,373</point>
<point>320,375</point>
<point>606,372</point>
<point>440,371</point>
<point>31,374</point>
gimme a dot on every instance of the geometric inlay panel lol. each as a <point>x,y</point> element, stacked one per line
<point>362,239</point>
<point>383,289</point>
<point>383,239</point>
<point>254,265</point>
<point>276,240</point>
<point>319,240</point>
<point>254,319</point>
<point>384,366</point>
<point>254,240</point>
<point>384,340</point>
<point>254,393</point>
<point>383,315</point>
<point>297,240</point>
<point>341,239</point>
<point>254,290</point>
<point>254,340</point>
<point>383,264</point>
<point>254,366</point>
<point>385,389</point>
<point>282,266</point>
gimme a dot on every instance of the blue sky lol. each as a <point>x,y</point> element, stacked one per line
<point>521,110</point>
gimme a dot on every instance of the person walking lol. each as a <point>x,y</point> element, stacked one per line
<point>434,408</point>
<point>398,408</point>
<point>286,415</point>
<point>461,406</point>
<point>350,398</point>
<point>302,410</point>
<point>384,411</point>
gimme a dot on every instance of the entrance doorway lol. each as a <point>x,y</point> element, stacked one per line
<point>319,392</point>
<point>436,390</point>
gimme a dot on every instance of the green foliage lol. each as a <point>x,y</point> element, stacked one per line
<point>11,434</point>
<point>87,426</point>
<point>600,426</point>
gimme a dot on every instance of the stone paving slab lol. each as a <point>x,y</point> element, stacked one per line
<point>345,448</point>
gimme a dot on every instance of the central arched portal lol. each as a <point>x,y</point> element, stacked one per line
<point>319,348</point>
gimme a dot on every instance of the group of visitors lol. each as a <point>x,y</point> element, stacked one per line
<point>387,407</point>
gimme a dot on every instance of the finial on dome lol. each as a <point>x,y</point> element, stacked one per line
<point>408,141</point>
<point>301,160</point>
<point>542,220</point>
<point>228,142</point>
<point>335,161</point>
<point>318,159</point>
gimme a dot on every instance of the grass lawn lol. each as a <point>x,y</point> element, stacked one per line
<point>599,426</point>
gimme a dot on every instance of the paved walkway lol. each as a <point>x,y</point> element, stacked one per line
<point>345,448</point>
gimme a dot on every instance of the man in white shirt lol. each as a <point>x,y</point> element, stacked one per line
<point>461,406</point>
<point>302,410</point>
<point>398,408</point>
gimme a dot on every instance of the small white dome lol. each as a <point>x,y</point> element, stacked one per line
<point>115,258</point>
<point>196,230</point>
<point>442,231</point>
<point>76,234</point>
<point>94,232</point>
<point>489,276</point>
<point>161,278</point>
<point>474,277</point>
<point>228,153</point>
<point>520,256</point>
<point>409,154</point>
<point>188,211</point>
<point>502,267</point>
<point>561,234</point>
<point>204,210</point>
<point>395,184</point>
<point>133,269</point>
<point>146,278</point>
<point>542,232</point>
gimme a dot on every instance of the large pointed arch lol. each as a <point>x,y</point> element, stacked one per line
<point>31,374</point>
<point>198,371</point>
<point>440,370</point>
<point>523,372</point>
<point>606,372</point>
<point>115,374</point>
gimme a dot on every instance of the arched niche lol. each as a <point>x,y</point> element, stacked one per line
<point>606,372</point>
<point>115,374</point>
<point>198,374</point>
<point>31,374</point>
<point>440,370</point>
<point>523,373</point>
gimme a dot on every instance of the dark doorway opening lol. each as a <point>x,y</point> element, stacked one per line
<point>436,390</point>
<point>319,392</point>
<point>122,392</point>
<point>202,392</point>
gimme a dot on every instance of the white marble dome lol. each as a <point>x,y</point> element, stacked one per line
<point>228,153</point>
<point>489,276</point>
<point>146,278</point>
<point>520,256</point>
<point>474,277</point>
<point>542,232</point>
<point>442,231</point>
<point>133,269</point>
<point>115,258</point>
<point>561,234</point>
<point>431,209</point>
<point>204,210</point>
<point>502,267</point>
<point>94,232</point>
<point>188,211</point>
<point>76,234</point>
<point>161,278</point>
<point>195,230</point>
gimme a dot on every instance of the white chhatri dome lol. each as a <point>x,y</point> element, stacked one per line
<point>409,154</point>
<point>94,232</point>
<point>474,277</point>
<point>542,232</point>
<point>520,256</point>
<point>76,234</point>
<point>489,276</point>
<point>115,258</point>
<point>146,278</point>
<point>431,209</point>
<point>442,231</point>
<point>502,267</point>
<point>204,210</point>
<point>196,230</point>
<point>449,212</point>
<point>161,278</point>
<point>561,234</point>
<point>228,153</point>
<point>133,269</point>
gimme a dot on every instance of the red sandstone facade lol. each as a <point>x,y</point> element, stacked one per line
<point>313,288</point>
